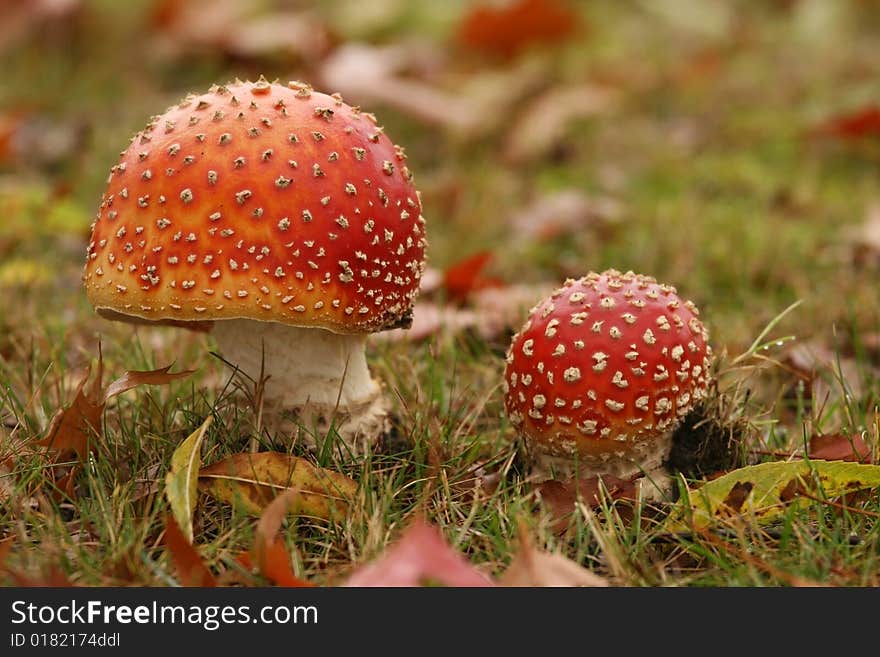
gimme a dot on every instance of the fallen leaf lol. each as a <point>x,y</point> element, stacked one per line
<point>429,319</point>
<point>237,28</point>
<point>839,447</point>
<point>420,557</point>
<point>490,312</point>
<point>547,120</point>
<point>134,379</point>
<point>472,105</point>
<point>561,497</point>
<point>505,31</point>
<point>181,483</point>
<point>191,569</point>
<point>72,428</point>
<point>372,74</point>
<point>250,482</point>
<point>737,496</point>
<point>500,309</point>
<point>567,211</point>
<point>771,490</point>
<point>298,33</point>
<point>533,567</point>
<point>854,125</point>
<point>268,551</point>
<point>466,276</point>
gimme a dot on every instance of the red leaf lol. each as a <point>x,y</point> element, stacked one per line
<point>420,557</point>
<point>465,276</point>
<point>506,30</point>
<point>858,124</point>
<point>268,551</point>
<point>839,447</point>
<point>191,570</point>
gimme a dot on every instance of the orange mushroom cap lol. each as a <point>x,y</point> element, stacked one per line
<point>606,364</point>
<point>260,201</point>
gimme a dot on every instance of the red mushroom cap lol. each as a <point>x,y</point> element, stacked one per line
<point>605,364</point>
<point>260,201</point>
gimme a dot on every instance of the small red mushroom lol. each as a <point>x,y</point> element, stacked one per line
<point>602,372</point>
<point>282,215</point>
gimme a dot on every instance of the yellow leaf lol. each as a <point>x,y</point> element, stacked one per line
<point>761,492</point>
<point>181,483</point>
<point>251,481</point>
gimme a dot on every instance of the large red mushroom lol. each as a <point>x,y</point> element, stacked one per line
<point>601,374</point>
<point>285,217</point>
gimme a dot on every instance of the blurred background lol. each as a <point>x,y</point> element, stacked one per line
<point>729,148</point>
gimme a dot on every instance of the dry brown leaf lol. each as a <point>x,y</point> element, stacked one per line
<point>191,569</point>
<point>251,481</point>
<point>420,557</point>
<point>477,104</point>
<point>546,121</point>
<point>840,447</point>
<point>566,211</point>
<point>268,551</point>
<point>72,428</point>
<point>536,568</point>
<point>133,379</point>
<point>561,497</point>
<point>238,28</point>
<point>370,74</point>
<point>510,28</point>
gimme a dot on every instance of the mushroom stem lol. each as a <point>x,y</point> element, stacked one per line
<point>647,463</point>
<point>313,378</point>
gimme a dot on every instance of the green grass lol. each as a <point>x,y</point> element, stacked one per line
<point>722,195</point>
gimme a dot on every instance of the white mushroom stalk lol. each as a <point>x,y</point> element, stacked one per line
<point>311,377</point>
